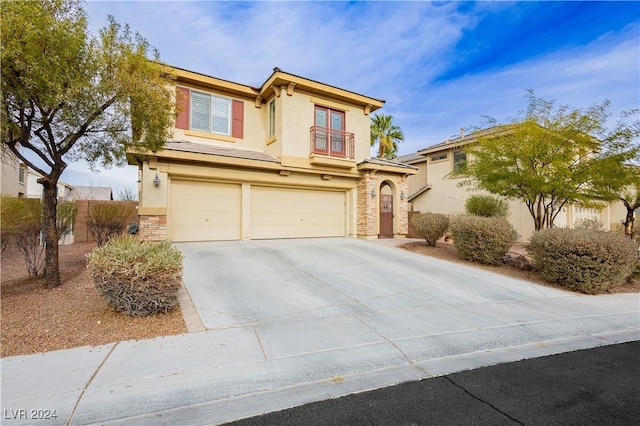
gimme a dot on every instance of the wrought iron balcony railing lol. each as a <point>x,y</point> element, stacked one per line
<point>332,143</point>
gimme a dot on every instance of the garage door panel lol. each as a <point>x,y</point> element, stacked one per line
<point>204,211</point>
<point>296,213</point>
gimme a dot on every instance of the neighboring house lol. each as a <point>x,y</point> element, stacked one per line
<point>435,188</point>
<point>101,193</point>
<point>34,189</point>
<point>13,178</point>
<point>287,159</point>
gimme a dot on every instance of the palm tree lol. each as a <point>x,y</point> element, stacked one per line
<point>386,134</point>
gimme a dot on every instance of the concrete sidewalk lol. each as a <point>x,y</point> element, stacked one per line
<point>379,316</point>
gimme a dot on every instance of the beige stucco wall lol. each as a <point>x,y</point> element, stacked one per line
<point>9,176</point>
<point>294,118</point>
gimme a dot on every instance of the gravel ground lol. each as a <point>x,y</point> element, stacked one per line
<point>35,319</point>
<point>447,251</point>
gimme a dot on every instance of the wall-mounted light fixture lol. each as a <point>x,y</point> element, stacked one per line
<point>373,193</point>
<point>402,195</point>
<point>156,181</point>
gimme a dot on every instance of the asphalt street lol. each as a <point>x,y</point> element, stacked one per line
<point>599,386</point>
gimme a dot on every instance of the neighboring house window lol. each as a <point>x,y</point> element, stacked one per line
<point>459,161</point>
<point>438,157</point>
<point>329,134</point>
<point>206,112</point>
<point>21,175</point>
<point>272,118</point>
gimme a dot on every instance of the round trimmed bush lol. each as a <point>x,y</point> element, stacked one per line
<point>135,277</point>
<point>585,260</point>
<point>431,226</point>
<point>486,206</point>
<point>482,239</point>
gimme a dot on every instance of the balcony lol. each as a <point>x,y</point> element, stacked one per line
<point>332,143</point>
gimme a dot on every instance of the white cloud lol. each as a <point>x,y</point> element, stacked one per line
<point>581,76</point>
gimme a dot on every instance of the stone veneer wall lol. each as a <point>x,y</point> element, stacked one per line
<point>368,206</point>
<point>153,228</point>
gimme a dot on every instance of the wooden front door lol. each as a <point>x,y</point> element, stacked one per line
<point>386,216</point>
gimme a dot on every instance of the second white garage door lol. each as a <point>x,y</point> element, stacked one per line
<point>296,213</point>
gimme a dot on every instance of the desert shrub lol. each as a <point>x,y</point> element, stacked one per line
<point>22,224</point>
<point>486,206</point>
<point>584,260</point>
<point>107,220</point>
<point>136,277</point>
<point>431,226</point>
<point>483,239</point>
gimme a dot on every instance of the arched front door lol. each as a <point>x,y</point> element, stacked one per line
<point>386,212</point>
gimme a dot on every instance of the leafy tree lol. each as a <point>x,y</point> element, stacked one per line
<point>386,134</point>
<point>554,156</point>
<point>67,95</point>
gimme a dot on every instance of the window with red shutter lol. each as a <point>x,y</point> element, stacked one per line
<point>182,102</point>
<point>210,113</point>
<point>238,119</point>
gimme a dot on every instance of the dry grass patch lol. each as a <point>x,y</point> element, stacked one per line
<point>35,319</point>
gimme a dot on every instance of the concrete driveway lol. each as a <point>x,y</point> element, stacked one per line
<point>314,295</point>
<point>294,321</point>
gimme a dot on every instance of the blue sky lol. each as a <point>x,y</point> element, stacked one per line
<point>440,66</point>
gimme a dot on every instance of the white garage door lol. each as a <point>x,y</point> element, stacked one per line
<point>204,211</point>
<point>295,213</point>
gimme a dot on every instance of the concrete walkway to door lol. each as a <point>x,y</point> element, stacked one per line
<point>295,321</point>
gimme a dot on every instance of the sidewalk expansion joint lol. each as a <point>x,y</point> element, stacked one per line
<point>411,361</point>
<point>462,388</point>
<point>264,353</point>
<point>86,386</point>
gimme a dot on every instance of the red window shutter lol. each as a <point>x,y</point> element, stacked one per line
<point>237,115</point>
<point>182,102</point>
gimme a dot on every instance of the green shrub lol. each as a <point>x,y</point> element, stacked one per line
<point>483,239</point>
<point>137,278</point>
<point>486,206</point>
<point>584,260</point>
<point>431,226</point>
<point>107,220</point>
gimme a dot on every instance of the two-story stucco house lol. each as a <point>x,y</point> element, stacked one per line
<point>288,159</point>
<point>435,188</point>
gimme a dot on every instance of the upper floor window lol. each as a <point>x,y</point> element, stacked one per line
<point>209,113</point>
<point>459,161</point>
<point>440,156</point>
<point>272,118</point>
<point>330,130</point>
